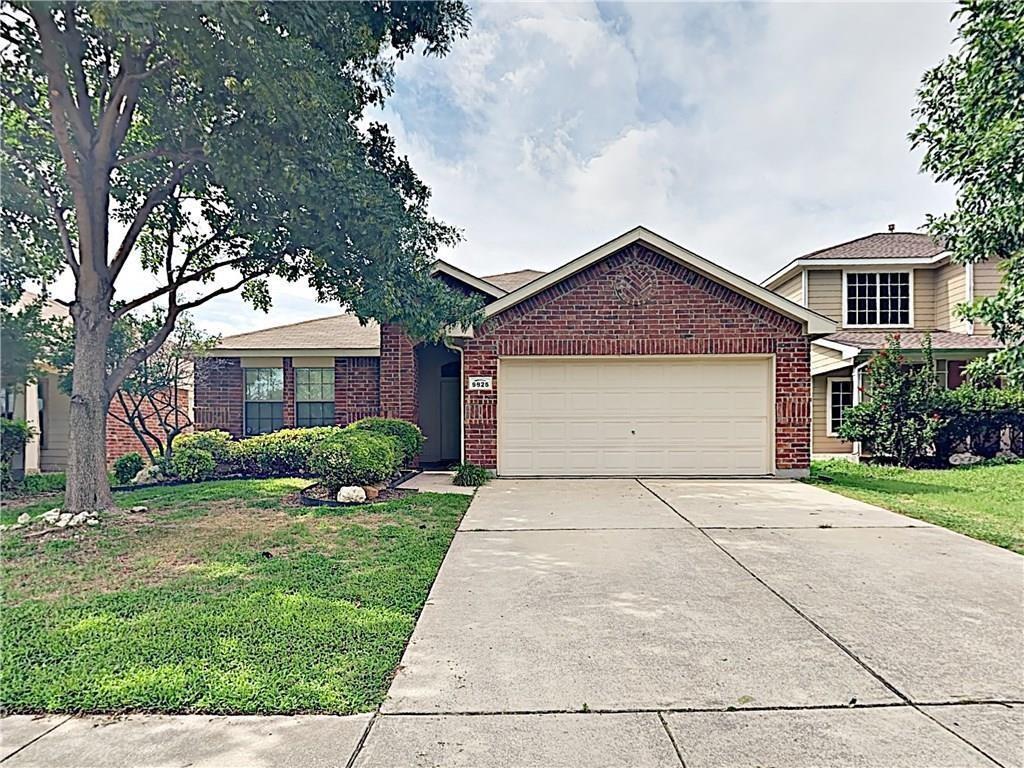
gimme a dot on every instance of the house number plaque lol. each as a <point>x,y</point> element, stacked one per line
<point>481,383</point>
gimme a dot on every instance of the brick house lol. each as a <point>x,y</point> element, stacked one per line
<point>636,358</point>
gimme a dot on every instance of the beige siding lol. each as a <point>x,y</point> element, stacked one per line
<point>924,299</point>
<point>793,289</point>
<point>53,455</point>
<point>950,290</point>
<point>820,440</point>
<point>824,359</point>
<point>825,292</point>
<point>987,277</point>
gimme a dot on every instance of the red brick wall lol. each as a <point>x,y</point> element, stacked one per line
<point>637,302</point>
<point>399,375</point>
<point>220,391</point>
<point>356,388</point>
<point>120,437</point>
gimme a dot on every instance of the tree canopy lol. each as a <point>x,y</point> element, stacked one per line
<point>971,112</point>
<point>216,144</point>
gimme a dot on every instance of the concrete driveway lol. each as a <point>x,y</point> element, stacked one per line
<point>697,623</point>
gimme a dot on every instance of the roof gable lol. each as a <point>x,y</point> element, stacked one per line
<point>814,323</point>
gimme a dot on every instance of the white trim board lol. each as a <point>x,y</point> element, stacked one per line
<point>814,323</point>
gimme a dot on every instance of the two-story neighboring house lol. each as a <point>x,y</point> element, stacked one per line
<point>874,286</point>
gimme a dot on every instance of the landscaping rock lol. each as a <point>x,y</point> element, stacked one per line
<point>964,459</point>
<point>371,492</point>
<point>1007,456</point>
<point>351,494</point>
<point>64,520</point>
<point>79,519</point>
<point>24,518</point>
<point>50,516</point>
<point>138,510</point>
<point>150,474</point>
<point>92,521</point>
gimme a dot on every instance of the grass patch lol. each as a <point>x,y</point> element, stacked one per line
<point>984,502</point>
<point>215,601</point>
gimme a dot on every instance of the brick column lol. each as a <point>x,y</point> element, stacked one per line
<point>399,375</point>
<point>219,394</point>
<point>356,389</point>
<point>289,392</point>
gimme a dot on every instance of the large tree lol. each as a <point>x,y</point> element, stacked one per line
<point>971,112</point>
<point>216,144</point>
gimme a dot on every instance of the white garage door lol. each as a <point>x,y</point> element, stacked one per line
<point>648,416</point>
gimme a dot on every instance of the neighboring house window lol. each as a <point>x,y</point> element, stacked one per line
<point>264,400</point>
<point>314,397</point>
<point>840,397</point>
<point>878,298</point>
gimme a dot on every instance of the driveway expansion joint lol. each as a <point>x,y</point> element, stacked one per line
<point>849,652</point>
<point>30,742</point>
<point>362,739</point>
<point>672,739</point>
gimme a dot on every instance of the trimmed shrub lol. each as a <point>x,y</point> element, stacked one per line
<point>14,435</point>
<point>976,417</point>
<point>355,457</point>
<point>128,466</point>
<point>470,474</point>
<point>284,453</point>
<point>193,464</point>
<point>216,441</point>
<point>408,436</point>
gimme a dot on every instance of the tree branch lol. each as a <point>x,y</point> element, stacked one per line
<point>156,293</point>
<point>74,44</point>
<point>155,197</point>
<point>119,374</point>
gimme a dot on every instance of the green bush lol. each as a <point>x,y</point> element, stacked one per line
<point>899,418</point>
<point>14,435</point>
<point>470,474</point>
<point>128,466</point>
<point>355,457</point>
<point>44,482</point>
<point>284,453</point>
<point>409,437</point>
<point>975,418</point>
<point>193,464</point>
<point>216,441</point>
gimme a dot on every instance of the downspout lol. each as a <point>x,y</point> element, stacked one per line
<point>462,399</point>
<point>970,294</point>
<point>856,400</point>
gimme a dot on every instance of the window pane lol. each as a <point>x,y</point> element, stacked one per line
<point>263,417</point>
<point>878,298</point>
<point>314,384</point>
<point>314,414</point>
<point>264,384</point>
<point>841,398</point>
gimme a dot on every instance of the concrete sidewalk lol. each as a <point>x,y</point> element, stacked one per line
<point>619,624</point>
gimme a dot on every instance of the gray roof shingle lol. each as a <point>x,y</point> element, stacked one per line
<point>883,245</point>
<point>913,340</point>
<point>335,332</point>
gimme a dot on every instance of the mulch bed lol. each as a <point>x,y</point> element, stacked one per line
<point>316,495</point>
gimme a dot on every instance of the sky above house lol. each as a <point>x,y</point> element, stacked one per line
<point>749,134</point>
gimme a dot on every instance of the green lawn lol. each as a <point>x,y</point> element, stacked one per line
<point>984,502</point>
<point>220,598</point>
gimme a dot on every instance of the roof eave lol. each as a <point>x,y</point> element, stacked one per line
<point>795,266</point>
<point>465,277</point>
<point>294,352</point>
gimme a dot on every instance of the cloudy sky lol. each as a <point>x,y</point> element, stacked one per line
<point>747,133</point>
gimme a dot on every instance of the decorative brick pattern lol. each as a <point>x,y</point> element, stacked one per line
<point>399,375</point>
<point>683,313</point>
<point>220,393</point>
<point>356,388</point>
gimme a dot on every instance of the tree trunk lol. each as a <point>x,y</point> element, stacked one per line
<point>88,486</point>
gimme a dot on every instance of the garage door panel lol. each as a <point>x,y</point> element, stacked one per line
<point>634,416</point>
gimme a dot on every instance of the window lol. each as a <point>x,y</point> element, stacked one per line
<point>878,298</point>
<point>264,400</point>
<point>314,397</point>
<point>840,397</point>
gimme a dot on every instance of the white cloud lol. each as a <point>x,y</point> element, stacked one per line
<point>749,133</point>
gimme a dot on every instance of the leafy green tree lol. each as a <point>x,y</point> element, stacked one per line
<point>971,112</point>
<point>898,416</point>
<point>215,144</point>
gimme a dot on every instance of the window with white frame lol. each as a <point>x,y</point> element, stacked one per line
<point>314,397</point>
<point>840,397</point>
<point>878,298</point>
<point>264,400</point>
